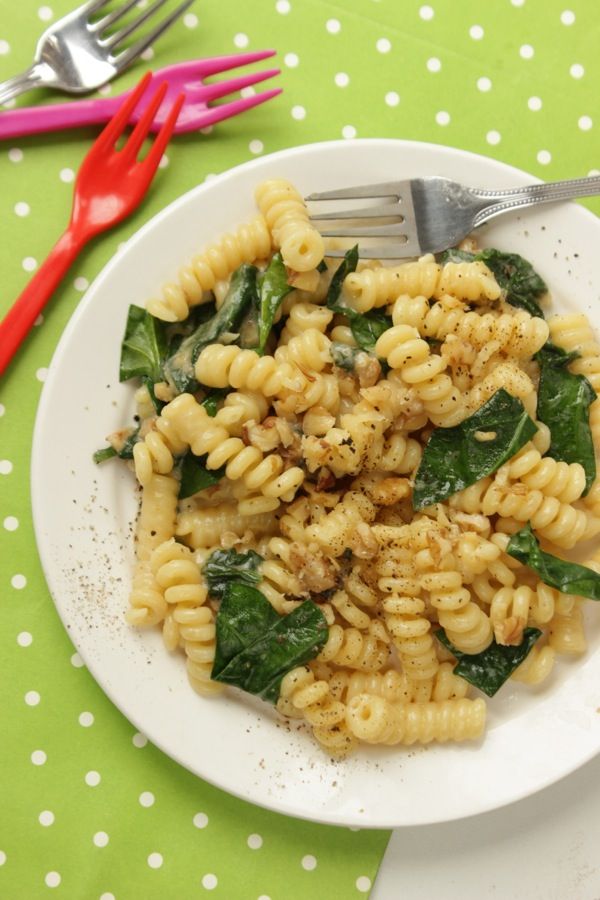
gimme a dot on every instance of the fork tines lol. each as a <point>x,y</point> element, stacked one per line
<point>112,41</point>
<point>398,207</point>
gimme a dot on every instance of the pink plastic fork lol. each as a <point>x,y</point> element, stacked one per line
<point>186,77</point>
<point>110,184</point>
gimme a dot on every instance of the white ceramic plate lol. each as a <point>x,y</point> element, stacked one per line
<point>83,520</point>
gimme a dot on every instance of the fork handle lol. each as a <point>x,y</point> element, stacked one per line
<point>56,116</point>
<point>35,76</point>
<point>496,202</point>
<point>20,318</point>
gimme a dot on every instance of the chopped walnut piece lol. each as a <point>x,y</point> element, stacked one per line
<point>315,572</point>
<point>265,437</point>
<point>229,539</point>
<point>325,479</point>
<point>471,522</point>
<point>509,633</point>
<point>367,369</point>
<point>389,491</point>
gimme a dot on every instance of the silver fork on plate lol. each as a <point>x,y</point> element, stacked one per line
<point>78,54</point>
<point>432,214</point>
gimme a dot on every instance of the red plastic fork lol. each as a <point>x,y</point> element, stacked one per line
<point>188,77</point>
<point>110,185</point>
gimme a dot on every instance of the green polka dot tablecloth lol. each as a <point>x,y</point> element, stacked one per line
<point>89,809</point>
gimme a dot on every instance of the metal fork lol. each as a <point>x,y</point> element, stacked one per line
<point>432,214</point>
<point>77,54</point>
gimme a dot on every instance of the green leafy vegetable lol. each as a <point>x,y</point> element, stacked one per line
<point>195,476</point>
<point>226,566</point>
<point>568,577</point>
<point>256,647</point>
<point>143,347</point>
<point>212,400</point>
<point>179,367</point>
<point>344,356</point>
<point>366,327</point>
<point>273,288</point>
<point>564,401</point>
<point>516,276</point>
<point>455,458</point>
<point>489,669</point>
<point>125,451</point>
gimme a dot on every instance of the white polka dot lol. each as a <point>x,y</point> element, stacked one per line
<point>348,132</point>
<point>353,828</point>
<point>383,45</point>
<point>6,467</point>
<point>309,862</point>
<point>200,820</point>
<point>433,64</point>
<point>100,839</point>
<point>442,117</point>
<point>155,860</point>
<point>264,897</point>
<point>493,137</point>
<point>241,40</point>
<point>2,409</point>
<point>29,264</point>
<point>594,172</point>
<point>282,7</point>
<point>77,661</point>
<point>291,60</point>
<point>32,698</point>
<point>476,32</point>
<point>15,155</point>
<point>86,719</point>
<point>207,130</point>
<point>139,740</point>
<point>426,13</point>
<point>363,884</point>
<point>38,757</point>
<point>534,104</point>
<point>190,20</point>
<point>2,857</point>
<point>45,13</point>
<point>209,881</point>
<point>52,879</point>
<point>66,175</point>
<point>41,374</point>
<point>392,98</point>
<point>9,104</point>
<point>11,523</point>
<point>254,841</point>
<point>92,778</point>
<point>18,582</point>
<point>107,896</point>
<point>146,799</point>
<point>333,26</point>
<point>24,639</point>
<point>526,51</point>
<point>105,89</point>
<point>4,47</point>
<point>81,284</point>
<point>46,818</point>
<point>484,84</point>
<point>147,54</point>
<point>567,17</point>
<point>164,161</point>
<point>577,71</point>
<point>256,146</point>
<point>544,157</point>
<point>245,92</point>
<point>585,123</point>
<point>517,2</point>
<point>298,113</point>
<point>22,209</point>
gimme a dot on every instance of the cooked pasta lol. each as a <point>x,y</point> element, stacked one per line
<point>284,471</point>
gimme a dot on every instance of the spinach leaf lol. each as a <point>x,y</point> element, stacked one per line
<point>256,647</point>
<point>564,401</point>
<point>143,347</point>
<point>516,276</point>
<point>195,476</point>
<point>454,458</point>
<point>273,289</point>
<point>366,327</point>
<point>212,400</point>
<point>224,567</point>
<point>124,452</point>
<point>489,669</point>
<point>179,367</point>
<point>568,577</point>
